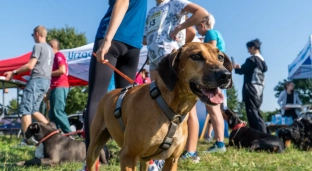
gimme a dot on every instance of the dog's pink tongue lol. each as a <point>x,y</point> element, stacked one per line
<point>215,95</point>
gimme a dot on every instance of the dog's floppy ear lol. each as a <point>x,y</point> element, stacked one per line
<point>228,65</point>
<point>167,68</point>
<point>36,128</point>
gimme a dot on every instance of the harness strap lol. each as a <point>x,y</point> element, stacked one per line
<point>117,111</point>
<point>175,120</point>
<point>155,93</point>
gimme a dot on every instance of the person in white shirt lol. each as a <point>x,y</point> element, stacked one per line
<point>167,28</point>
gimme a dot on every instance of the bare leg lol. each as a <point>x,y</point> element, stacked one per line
<point>26,121</point>
<point>193,129</point>
<point>209,129</point>
<point>217,121</point>
<point>40,117</point>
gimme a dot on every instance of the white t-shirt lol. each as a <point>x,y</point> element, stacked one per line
<point>161,20</point>
<point>196,39</point>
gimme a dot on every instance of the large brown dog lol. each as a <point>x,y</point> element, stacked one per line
<point>196,70</point>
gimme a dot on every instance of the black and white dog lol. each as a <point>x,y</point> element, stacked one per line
<point>54,148</point>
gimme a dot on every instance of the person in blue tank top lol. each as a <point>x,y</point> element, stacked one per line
<point>118,40</point>
<point>215,38</point>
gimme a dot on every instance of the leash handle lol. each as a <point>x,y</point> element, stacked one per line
<point>115,69</point>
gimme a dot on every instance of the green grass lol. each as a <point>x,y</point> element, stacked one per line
<point>232,160</point>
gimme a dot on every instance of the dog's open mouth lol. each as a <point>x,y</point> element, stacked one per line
<point>212,96</point>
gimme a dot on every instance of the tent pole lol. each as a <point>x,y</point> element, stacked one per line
<point>3,92</point>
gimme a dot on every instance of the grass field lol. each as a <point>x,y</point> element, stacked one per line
<point>232,160</point>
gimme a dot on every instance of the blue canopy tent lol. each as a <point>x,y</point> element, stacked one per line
<point>301,67</point>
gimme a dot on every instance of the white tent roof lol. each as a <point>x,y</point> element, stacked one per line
<point>79,59</point>
<point>301,67</point>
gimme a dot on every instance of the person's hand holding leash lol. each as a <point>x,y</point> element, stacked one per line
<point>101,52</point>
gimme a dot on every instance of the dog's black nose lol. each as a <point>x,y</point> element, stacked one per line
<point>223,76</point>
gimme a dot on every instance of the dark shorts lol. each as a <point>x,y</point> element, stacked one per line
<point>33,95</point>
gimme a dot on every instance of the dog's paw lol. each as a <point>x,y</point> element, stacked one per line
<point>20,163</point>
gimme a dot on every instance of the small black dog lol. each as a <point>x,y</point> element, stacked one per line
<point>241,136</point>
<point>299,133</point>
<point>56,147</point>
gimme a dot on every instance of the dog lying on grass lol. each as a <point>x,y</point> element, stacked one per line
<point>54,148</point>
<point>299,133</point>
<point>241,136</point>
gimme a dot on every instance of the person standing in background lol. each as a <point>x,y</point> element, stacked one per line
<point>214,37</point>
<point>40,65</point>
<point>289,96</point>
<point>168,27</point>
<point>59,89</point>
<point>253,70</point>
<point>118,40</point>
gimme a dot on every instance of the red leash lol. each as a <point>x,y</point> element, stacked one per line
<point>115,69</point>
<point>48,136</point>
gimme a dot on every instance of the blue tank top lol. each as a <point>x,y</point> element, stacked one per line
<point>215,35</point>
<point>131,28</point>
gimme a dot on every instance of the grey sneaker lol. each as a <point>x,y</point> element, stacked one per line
<point>215,149</point>
<point>187,155</point>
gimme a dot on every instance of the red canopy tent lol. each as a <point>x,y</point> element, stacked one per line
<point>14,63</point>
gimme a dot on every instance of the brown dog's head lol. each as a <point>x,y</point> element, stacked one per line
<point>200,66</point>
<point>39,130</point>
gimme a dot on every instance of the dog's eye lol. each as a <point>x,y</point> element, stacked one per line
<point>220,58</point>
<point>197,57</point>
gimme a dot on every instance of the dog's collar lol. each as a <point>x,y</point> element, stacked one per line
<point>240,125</point>
<point>48,136</point>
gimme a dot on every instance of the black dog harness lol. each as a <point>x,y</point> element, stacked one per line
<point>175,119</point>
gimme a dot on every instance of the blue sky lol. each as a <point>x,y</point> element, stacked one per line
<point>283,26</point>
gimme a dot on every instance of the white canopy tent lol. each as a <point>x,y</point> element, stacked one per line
<point>301,67</point>
<point>79,59</point>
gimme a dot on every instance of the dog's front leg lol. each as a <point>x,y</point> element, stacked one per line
<point>171,164</point>
<point>36,161</point>
<point>127,162</point>
<point>144,165</point>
